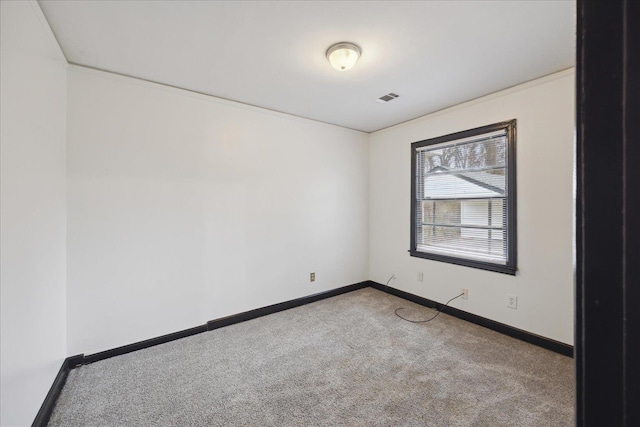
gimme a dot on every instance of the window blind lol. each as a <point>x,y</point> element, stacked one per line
<point>461,198</point>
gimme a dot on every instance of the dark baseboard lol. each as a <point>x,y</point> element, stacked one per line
<point>219,323</point>
<point>143,344</point>
<point>42,418</point>
<point>43,415</point>
<point>275,308</point>
<point>549,344</point>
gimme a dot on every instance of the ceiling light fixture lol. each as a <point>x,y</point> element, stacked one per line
<point>343,56</point>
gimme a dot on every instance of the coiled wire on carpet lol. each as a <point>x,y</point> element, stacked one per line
<point>402,308</point>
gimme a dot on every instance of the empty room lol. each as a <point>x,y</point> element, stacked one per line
<point>319,213</point>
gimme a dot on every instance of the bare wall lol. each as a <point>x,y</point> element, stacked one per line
<point>544,286</point>
<point>33,211</point>
<point>184,208</point>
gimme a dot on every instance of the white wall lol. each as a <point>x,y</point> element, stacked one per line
<point>544,282</point>
<point>183,208</point>
<point>33,224</point>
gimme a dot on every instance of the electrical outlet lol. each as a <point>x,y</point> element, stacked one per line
<point>312,277</point>
<point>465,293</point>
<point>420,276</point>
<point>512,301</point>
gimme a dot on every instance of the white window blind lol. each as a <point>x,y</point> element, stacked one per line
<point>461,198</point>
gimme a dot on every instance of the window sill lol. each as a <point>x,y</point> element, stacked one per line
<point>505,269</point>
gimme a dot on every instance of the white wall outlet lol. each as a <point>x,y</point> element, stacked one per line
<point>465,293</point>
<point>512,301</point>
<point>312,277</point>
<point>420,276</point>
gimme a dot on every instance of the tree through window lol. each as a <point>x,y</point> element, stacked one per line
<point>463,198</point>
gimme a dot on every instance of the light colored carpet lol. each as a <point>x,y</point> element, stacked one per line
<point>343,361</point>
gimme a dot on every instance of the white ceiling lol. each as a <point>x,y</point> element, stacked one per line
<point>434,54</point>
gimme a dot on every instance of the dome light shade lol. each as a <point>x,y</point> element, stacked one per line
<point>343,56</point>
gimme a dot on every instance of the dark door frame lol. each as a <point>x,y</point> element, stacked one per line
<point>607,339</point>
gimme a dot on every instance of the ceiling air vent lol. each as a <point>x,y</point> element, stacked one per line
<point>386,98</point>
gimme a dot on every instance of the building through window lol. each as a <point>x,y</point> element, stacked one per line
<point>463,205</point>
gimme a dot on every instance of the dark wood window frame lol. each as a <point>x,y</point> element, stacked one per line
<point>511,229</point>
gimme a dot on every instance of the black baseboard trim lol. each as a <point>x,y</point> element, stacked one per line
<point>43,415</point>
<point>540,341</point>
<point>219,323</point>
<point>42,418</point>
<point>275,308</point>
<point>143,344</point>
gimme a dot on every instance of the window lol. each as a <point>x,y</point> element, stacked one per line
<point>463,204</point>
